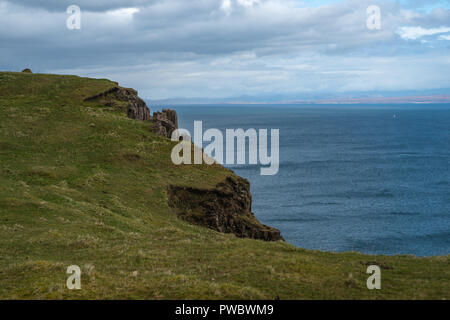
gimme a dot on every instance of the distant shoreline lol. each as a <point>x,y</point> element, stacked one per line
<point>274,104</point>
<point>153,102</point>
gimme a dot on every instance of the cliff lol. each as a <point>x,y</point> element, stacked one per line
<point>127,100</point>
<point>82,184</point>
<point>225,208</point>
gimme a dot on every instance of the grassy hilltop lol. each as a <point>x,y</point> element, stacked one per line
<point>82,184</point>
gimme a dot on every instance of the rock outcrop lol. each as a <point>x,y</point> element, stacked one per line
<point>166,122</point>
<point>225,208</point>
<point>127,100</point>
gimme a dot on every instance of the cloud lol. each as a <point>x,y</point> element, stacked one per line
<point>216,47</point>
<point>228,5</point>
<point>87,5</point>
<point>413,33</point>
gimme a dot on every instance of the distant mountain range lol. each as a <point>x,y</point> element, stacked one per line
<point>429,96</point>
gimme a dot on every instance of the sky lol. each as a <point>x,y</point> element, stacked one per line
<point>232,48</point>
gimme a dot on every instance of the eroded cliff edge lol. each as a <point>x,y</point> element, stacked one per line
<point>225,208</point>
<point>128,101</point>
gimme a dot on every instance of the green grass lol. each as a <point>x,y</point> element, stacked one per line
<point>81,184</point>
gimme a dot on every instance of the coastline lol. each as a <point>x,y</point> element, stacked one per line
<point>83,184</point>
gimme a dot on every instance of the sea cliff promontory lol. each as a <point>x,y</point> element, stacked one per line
<point>83,182</point>
<point>224,208</point>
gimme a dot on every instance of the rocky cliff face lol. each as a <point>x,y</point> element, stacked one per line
<point>166,122</point>
<point>226,208</point>
<point>127,100</point>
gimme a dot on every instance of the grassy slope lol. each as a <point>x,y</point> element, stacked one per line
<point>81,184</point>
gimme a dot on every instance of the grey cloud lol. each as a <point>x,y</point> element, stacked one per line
<point>184,46</point>
<point>90,5</point>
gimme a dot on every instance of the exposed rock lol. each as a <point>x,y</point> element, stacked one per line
<point>125,99</point>
<point>226,208</point>
<point>165,122</point>
<point>137,108</point>
<point>27,70</point>
<point>168,115</point>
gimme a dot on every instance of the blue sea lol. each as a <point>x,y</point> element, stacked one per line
<point>373,179</point>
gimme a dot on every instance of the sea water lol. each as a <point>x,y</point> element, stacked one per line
<point>373,179</point>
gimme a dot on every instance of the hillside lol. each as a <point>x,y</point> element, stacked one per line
<point>82,183</point>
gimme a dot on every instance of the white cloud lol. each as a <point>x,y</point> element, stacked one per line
<point>303,74</point>
<point>414,33</point>
<point>446,37</point>
<point>247,3</point>
<point>123,13</point>
<point>227,5</point>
